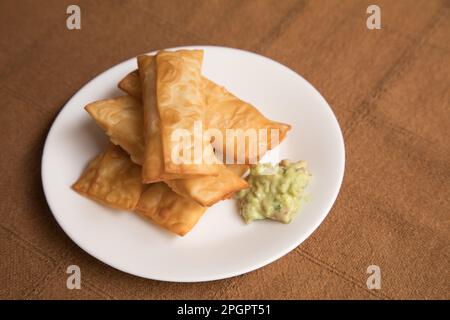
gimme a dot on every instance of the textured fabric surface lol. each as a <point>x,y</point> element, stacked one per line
<point>389,88</point>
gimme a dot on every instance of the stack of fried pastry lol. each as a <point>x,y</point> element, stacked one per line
<point>137,171</point>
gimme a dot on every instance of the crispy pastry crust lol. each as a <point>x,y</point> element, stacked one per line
<point>153,165</point>
<point>168,209</point>
<point>225,111</point>
<point>112,179</point>
<point>121,118</point>
<point>208,190</point>
<point>229,112</point>
<point>181,106</point>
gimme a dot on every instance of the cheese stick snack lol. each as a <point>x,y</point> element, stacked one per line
<point>206,190</point>
<point>181,107</point>
<point>153,164</point>
<point>226,111</point>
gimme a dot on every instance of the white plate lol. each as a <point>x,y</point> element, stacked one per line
<point>220,245</point>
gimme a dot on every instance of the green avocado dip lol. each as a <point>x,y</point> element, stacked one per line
<point>276,192</point>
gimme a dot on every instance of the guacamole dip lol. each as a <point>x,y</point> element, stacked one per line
<point>276,191</point>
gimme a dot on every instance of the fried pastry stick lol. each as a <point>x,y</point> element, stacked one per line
<point>206,190</point>
<point>226,111</point>
<point>153,164</point>
<point>181,105</point>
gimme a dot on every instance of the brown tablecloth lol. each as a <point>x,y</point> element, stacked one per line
<point>389,88</point>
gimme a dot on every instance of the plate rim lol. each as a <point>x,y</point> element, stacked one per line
<point>225,275</point>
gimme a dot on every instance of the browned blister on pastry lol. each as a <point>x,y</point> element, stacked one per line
<point>112,179</point>
<point>181,106</point>
<point>121,118</point>
<point>153,165</point>
<point>168,209</point>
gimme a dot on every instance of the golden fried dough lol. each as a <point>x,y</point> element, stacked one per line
<point>112,179</point>
<point>121,118</point>
<point>207,190</point>
<point>226,111</point>
<point>181,107</point>
<point>153,165</point>
<point>168,209</point>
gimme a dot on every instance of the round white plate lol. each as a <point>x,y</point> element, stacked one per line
<point>220,245</point>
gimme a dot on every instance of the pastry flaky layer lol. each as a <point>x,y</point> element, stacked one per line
<point>153,166</point>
